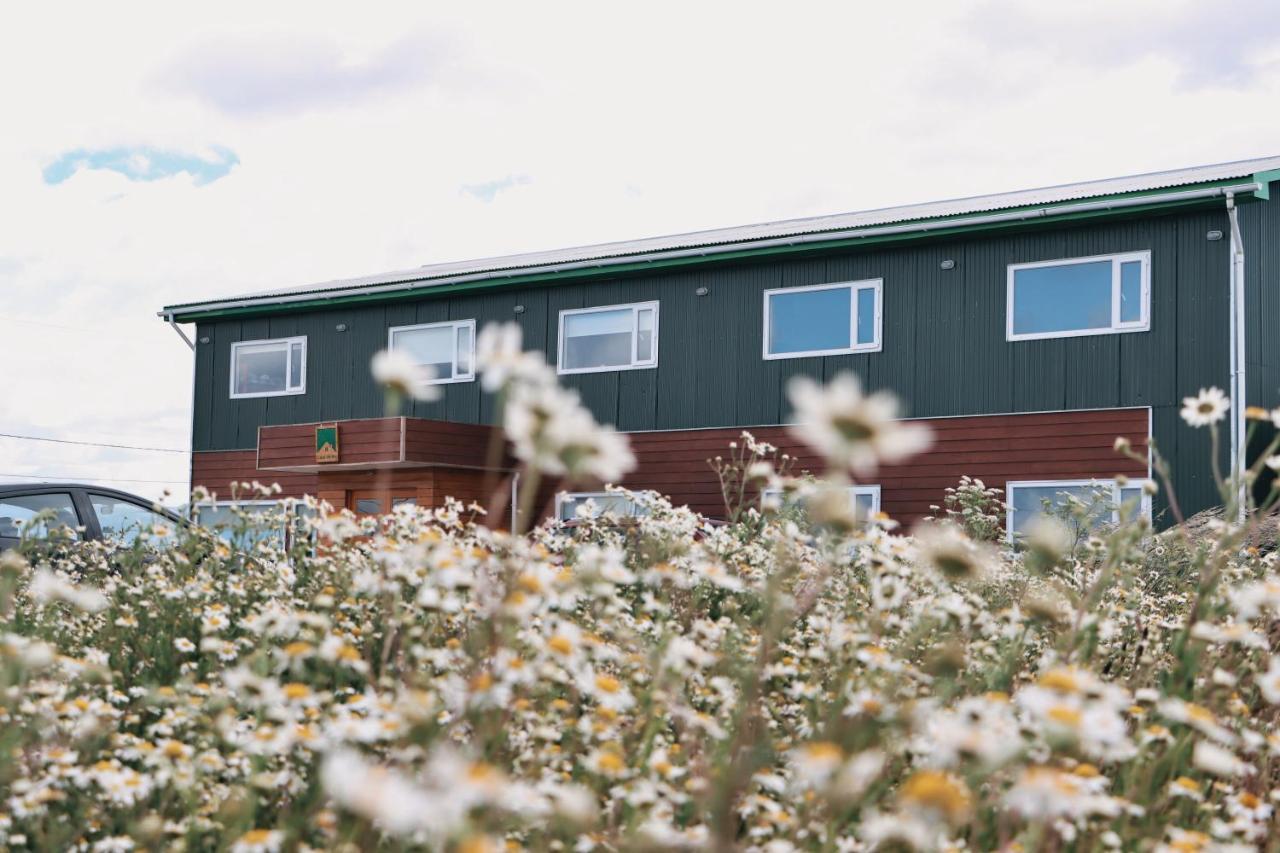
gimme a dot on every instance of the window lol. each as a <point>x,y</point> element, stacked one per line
<point>123,521</point>
<point>269,368</point>
<point>448,350</point>
<point>1110,502</point>
<point>267,521</point>
<point>567,504</point>
<point>18,516</point>
<point>1083,296</point>
<point>827,319</point>
<point>615,337</point>
<point>866,499</point>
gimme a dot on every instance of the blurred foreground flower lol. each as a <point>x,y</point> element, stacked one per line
<point>502,361</point>
<point>853,431</point>
<point>402,377</point>
<point>550,429</point>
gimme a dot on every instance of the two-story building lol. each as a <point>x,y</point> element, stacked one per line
<point>1029,329</point>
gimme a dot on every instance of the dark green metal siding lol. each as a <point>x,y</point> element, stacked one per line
<point>944,351</point>
<point>1260,228</point>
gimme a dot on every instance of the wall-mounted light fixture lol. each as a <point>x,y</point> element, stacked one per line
<point>1215,234</point>
<point>948,264</point>
<point>341,327</point>
<point>701,291</point>
<point>519,309</point>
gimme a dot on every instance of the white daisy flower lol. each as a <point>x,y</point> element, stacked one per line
<point>1207,407</point>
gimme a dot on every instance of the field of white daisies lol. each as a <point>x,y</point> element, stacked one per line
<point>797,678</point>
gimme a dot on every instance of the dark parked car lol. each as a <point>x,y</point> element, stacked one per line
<point>78,511</point>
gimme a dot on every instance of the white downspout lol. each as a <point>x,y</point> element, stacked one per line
<point>1239,434</point>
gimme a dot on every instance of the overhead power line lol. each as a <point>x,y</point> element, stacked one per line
<point>90,443</point>
<point>74,477</point>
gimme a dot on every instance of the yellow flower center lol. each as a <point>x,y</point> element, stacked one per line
<point>1063,680</point>
<point>1199,713</point>
<point>930,789</point>
<point>1064,715</point>
<point>823,751</point>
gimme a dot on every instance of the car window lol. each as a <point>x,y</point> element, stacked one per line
<point>123,520</point>
<point>18,516</point>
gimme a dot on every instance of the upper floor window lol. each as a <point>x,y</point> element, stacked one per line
<point>446,349</point>
<point>825,319</point>
<point>614,337</point>
<point>269,368</point>
<point>1080,296</point>
<point>1097,502</point>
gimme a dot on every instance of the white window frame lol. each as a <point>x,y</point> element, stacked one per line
<point>1144,507</point>
<point>287,344</point>
<point>1117,327</point>
<point>873,491</point>
<point>877,344</point>
<point>564,497</point>
<point>854,491</point>
<point>636,363</point>
<point>454,325</point>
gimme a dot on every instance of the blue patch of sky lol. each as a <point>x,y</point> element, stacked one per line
<point>143,163</point>
<point>489,190</point>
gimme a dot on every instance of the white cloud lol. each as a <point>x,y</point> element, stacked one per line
<point>1211,45</point>
<point>357,133</point>
<point>275,76</point>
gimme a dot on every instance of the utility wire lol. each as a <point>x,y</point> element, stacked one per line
<point>90,443</point>
<point>83,476</point>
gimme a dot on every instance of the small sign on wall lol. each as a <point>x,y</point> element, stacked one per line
<point>326,443</point>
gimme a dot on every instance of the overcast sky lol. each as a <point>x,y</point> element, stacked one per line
<point>151,156</point>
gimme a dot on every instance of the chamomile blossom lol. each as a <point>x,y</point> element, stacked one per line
<point>1205,408</point>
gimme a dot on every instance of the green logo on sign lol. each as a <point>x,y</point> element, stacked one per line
<point>327,443</point>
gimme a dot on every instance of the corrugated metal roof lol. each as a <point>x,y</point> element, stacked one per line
<point>748,234</point>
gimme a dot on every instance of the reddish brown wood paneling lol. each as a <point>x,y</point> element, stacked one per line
<point>995,449</point>
<point>218,470</point>
<point>380,441</point>
<point>443,459</point>
<point>359,442</point>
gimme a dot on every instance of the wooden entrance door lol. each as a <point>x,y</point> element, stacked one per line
<point>379,501</point>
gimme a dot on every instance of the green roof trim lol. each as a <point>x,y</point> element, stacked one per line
<point>422,288</point>
<point>1265,179</point>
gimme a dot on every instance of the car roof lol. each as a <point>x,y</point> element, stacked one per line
<point>7,489</point>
